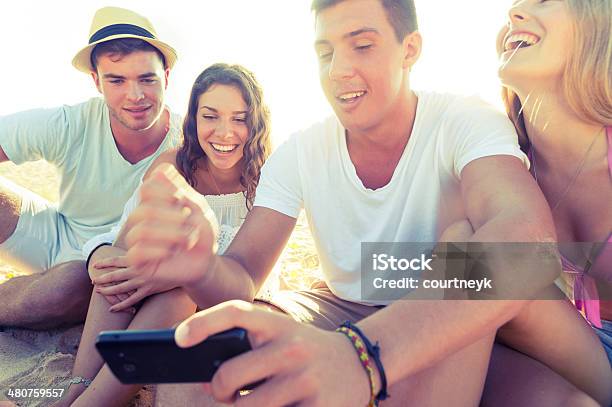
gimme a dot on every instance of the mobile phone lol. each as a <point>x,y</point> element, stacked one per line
<point>152,356</point>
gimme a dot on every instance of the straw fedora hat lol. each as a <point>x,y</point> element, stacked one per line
<point>111,23</point>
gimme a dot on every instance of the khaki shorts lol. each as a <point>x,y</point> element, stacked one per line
<point>319,307</point>
<point>42,237</point>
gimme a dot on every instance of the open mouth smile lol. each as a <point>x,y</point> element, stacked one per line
<point>224,148</point>
<point>520,40</point>
<point>351,97</point>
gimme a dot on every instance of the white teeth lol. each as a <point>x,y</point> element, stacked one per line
<point>224,149</point>
<point>351,95</point>
<point>515,40</point>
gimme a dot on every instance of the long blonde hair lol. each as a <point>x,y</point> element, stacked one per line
<point>587,77</point>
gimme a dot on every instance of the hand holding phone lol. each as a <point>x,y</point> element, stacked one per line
<point>152,356</point>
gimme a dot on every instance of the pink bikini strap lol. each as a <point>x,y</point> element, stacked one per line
<point>609,133</point>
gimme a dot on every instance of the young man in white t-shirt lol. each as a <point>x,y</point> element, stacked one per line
<point>101,149</point>
<point>393,165</point>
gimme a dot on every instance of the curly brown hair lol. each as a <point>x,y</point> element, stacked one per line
<point>258,145</point>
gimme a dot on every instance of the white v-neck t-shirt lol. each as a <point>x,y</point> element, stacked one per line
<point>313,171</point>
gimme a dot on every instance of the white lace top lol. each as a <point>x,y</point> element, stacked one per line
<point>230,210</point>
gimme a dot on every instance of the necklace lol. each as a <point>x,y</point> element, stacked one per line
<point>574,177</point>
<point>212,177</point>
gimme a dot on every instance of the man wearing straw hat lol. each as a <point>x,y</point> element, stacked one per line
<point>101,148</point>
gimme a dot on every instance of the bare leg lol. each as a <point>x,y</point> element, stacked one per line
<point>159,311</point>
<point>553,333</point>
<point>54,298</point>
<point>515,379</point>
<point>458,380</point>
<point>188,394</point>
<point>88,362</point>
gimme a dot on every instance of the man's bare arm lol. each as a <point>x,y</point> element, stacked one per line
<point>503,204</point>
<point>242,270</point>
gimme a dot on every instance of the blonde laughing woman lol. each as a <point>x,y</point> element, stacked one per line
<point>556,69</point>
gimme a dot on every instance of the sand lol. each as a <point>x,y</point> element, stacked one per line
<point>44,359</point>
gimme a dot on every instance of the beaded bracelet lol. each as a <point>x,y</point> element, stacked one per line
<point>80,380</point>
<point>374,352</point>
<point>364,358</point>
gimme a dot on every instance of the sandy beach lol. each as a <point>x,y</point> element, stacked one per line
<point>44,359</point>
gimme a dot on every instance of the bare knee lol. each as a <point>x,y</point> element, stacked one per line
<point>103,253</point>
<point>10,207</point>
<point>176,303</point>
<point>179,300</point>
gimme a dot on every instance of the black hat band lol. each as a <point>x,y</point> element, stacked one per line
<point>117,29</point>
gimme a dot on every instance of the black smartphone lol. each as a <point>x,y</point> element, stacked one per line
<point>152,356</point>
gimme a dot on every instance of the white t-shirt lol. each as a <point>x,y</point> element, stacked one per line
<point>95,179</point>
<point>313,170</point>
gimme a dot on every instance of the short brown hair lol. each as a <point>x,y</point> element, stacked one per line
<point>400,13</point>
<point>122,47</point>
